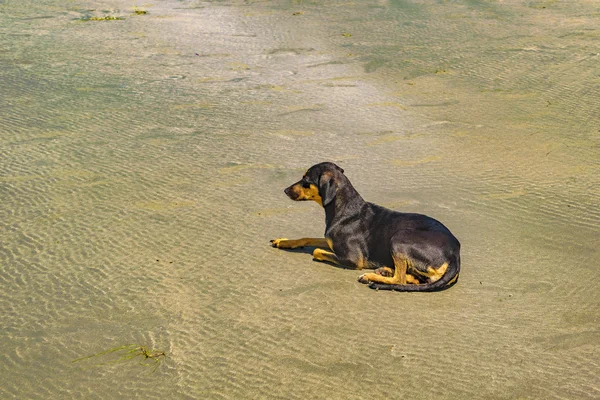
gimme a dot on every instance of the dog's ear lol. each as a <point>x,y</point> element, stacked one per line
<point>327,187</point>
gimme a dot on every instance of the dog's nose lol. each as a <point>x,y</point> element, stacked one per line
<point>288,191</point>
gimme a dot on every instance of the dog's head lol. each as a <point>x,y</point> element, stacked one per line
<point>320,183</point>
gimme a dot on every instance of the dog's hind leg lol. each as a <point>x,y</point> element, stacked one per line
<point>400,276</point>
<point>304,242</point>
<point>384,271</point>
<point>356,262</point>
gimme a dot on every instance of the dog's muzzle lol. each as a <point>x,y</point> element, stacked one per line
<point>291,193</point>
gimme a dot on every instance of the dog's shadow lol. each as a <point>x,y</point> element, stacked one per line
<point>309,250</point>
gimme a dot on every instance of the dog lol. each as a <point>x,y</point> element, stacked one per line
<point>409,252</point>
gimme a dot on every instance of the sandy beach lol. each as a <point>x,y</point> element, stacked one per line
<point>144,149</point>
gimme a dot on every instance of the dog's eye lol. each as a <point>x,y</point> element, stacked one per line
<point>305,185</point>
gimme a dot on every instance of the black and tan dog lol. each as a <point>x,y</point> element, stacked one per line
<point>424,254</point>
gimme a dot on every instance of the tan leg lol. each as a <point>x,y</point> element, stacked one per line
<point>371,277</point>
<point>400,276</point>
<point>400,265</point>
<point>294,244</point>
<point>384,271</point>
<point>432,274</point>
<point>324,255</point>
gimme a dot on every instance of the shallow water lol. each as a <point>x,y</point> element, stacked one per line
<point>142,167</point>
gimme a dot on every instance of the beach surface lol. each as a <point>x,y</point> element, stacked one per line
<point>144,149</point>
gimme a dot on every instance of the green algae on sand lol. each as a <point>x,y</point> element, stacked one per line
<point>147,357</point>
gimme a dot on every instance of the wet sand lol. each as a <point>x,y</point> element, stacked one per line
<point>142,168</point>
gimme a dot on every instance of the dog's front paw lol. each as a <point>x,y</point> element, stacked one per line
<point>363,278</point>
<point>277,243</point>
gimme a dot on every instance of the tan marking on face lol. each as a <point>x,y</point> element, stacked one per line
<point>310,193</point>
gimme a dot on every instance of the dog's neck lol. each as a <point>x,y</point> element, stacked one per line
<point>347,202</point>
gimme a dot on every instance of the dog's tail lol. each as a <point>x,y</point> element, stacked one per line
<point>445,282</point>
